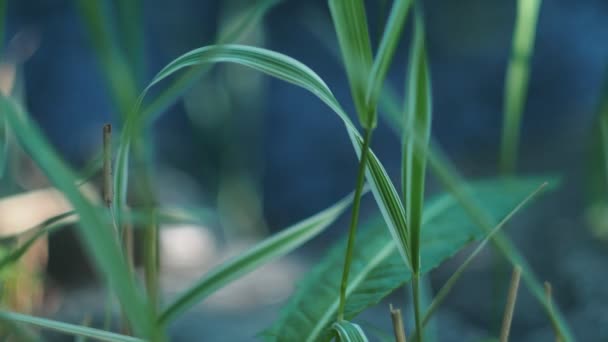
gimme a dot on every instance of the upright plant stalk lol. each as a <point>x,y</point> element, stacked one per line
<point>354,221</point>
<point>510,308</point>
<point>397,324</point>
<point>516,83</point>
<point>417,117</point>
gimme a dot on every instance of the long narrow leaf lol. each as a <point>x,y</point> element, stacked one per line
<point>71,329</point>
<point>350,23</point>
<point>417,118</point>
<point>378,268</point>
<point>349,332</point>
<point>516,82</point>
<point>388,44</point>
<point>270,249</point>
<point>95,233</point>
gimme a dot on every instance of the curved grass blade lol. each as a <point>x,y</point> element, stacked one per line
<point>349,332</point>
<point>378,268</point>
<point>350,23</point>
<point>386,50</point>
<point>516,82</point>
<point>177,88</point>
<point>270,249</point>
<point>97,237</point>
<point>67,328</point>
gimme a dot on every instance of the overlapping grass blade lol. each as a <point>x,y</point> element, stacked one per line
<point>270,249</point>
<point>98,238</point>
<point>388,44</point>
<point>385,193</point>
<point>516,82</point>
<point>349,332</point>
<point>350,23</point>
<point>378,268</point>
<point>71,329</point>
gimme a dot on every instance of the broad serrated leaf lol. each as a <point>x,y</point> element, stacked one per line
<point>417,117</point>
<point>349,332</point>
<point>350,23</point>
<point>269,249</point>
<point>71,329</point>
<point>99,241</point>
<point>378,269</point>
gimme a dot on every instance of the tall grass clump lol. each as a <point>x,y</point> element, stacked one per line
<point>410,236</point>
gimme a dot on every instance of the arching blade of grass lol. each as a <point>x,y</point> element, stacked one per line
<point>350,23</point>
<point>266,61</point>
<point>270,249</point>
<point>349,332</point>
<point>119,77</point>
<point>378,268</point>
<point>388,44</point>
<point>71,329</point>
<point>98,239</point>
<point>177,87</point>
<point>516,83</point>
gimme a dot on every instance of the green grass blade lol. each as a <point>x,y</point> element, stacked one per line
<point>350,23</point>
<point>71,329</point>
<point>516,82</point>
<point>388,200</point>
<point>378,268</point>
<point>270,249</point>
<point>119,77</point>
<point>349,332</point>
<point>177,88</point>
<point>449,284</point>
<point>94,231</point>
<point>386,50</point>
<point>417,117</point>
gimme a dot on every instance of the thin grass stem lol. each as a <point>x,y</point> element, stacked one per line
<point>354,221</point>
<point>510,308</point>
<point>417,311</point>
<point>397,324</point>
